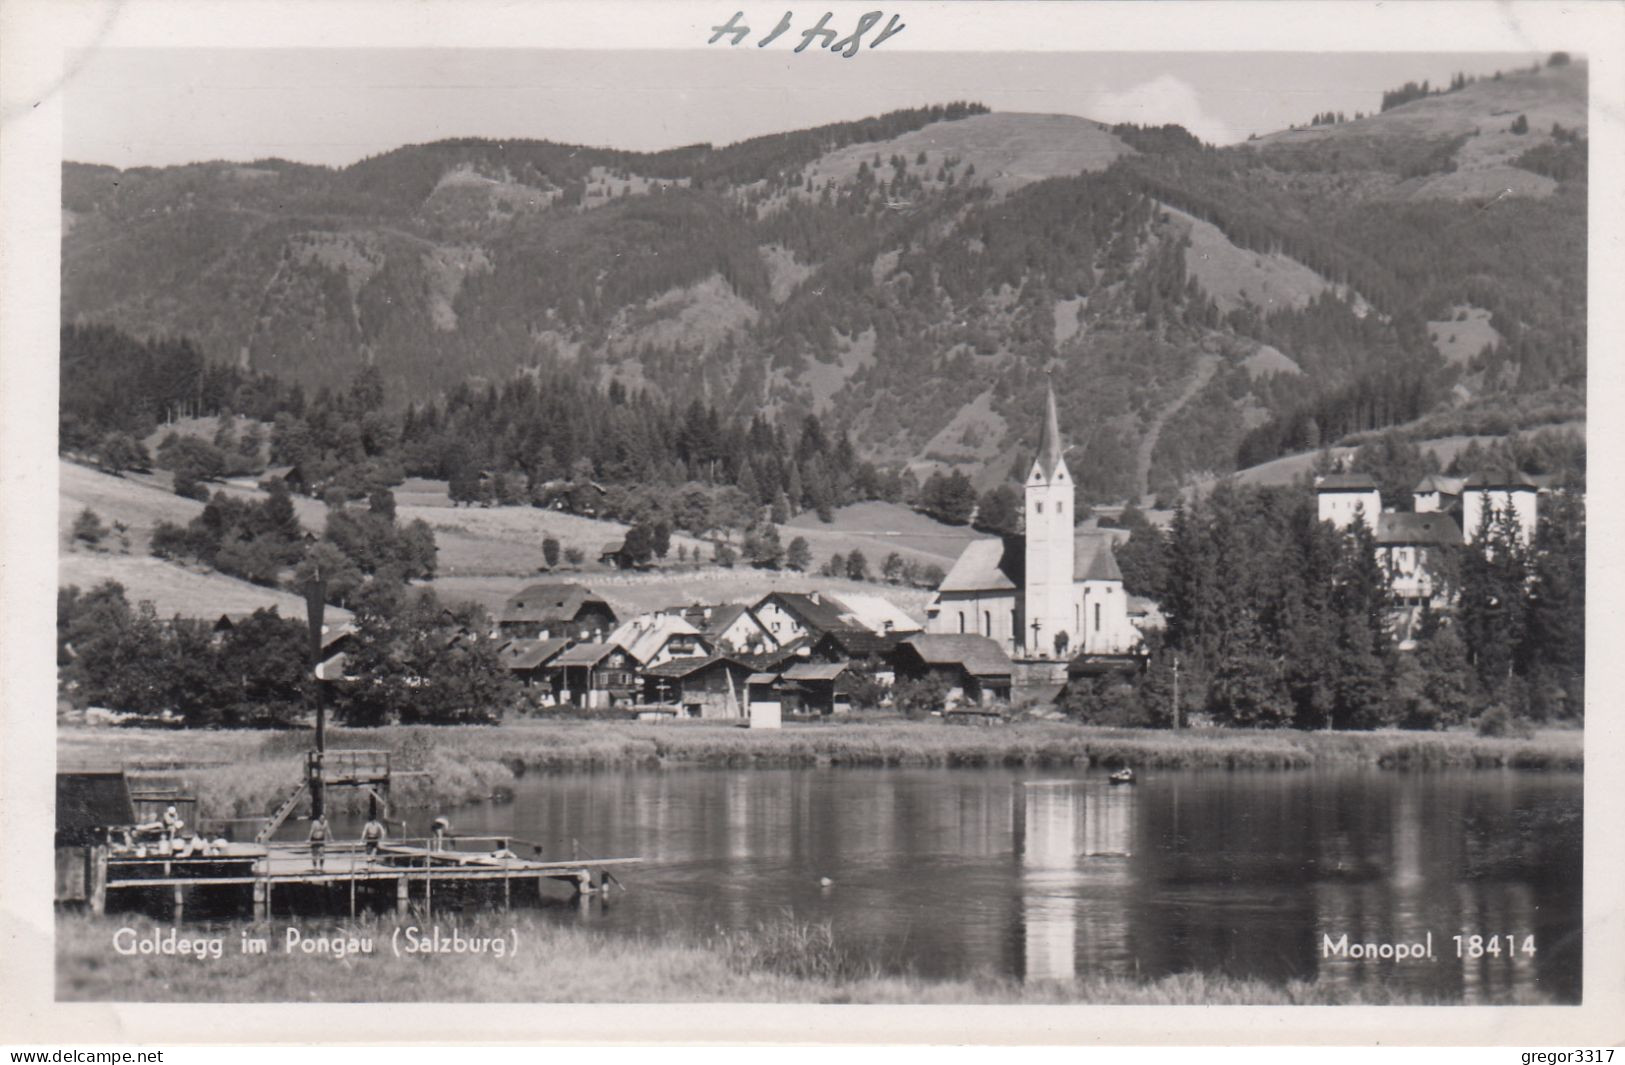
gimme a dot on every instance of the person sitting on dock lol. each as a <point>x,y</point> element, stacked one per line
<point>172,823</point>
<point>372,834</point>
<point>318,842</point>
<point>440,829</point>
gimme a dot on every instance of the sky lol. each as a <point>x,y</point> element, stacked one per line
<point>153,107</point>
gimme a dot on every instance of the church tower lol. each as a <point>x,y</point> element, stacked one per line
<point>1047,598</point>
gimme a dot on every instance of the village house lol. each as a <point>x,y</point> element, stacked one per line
<point>1409,547</point>
<point>1344,498</point>
<point>868,652</point>
<point>527,660</point>
<point>815,689</point>
<point>1052,592</point>
<point>1436,494</point>
<point>711,687</point>
<point>655,639</point>
<point>877,613</point>
<point>1489,496</point>
<point>974,668</point>
<point>729,627</point>
<point>593,676</point>
<point>556,611</point>
<point>793,615</point>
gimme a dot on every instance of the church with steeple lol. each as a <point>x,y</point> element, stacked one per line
<point>1050,592</point>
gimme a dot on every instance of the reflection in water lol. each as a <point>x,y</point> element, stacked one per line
<point>958,872</point>
<point>1074,842</point>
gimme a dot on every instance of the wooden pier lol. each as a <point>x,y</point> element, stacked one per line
<point>254,878</point>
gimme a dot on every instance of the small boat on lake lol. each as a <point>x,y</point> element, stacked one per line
<point>1122,776</point>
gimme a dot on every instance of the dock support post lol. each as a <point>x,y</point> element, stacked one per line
<point>261,894</point>
<point>428,888</point>
<point>401,896</point>
<point>507,881</point>
<point>96,885</point>
<point>352,892</point>
<point>180,902</point>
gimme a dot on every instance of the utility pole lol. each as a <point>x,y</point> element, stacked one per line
<point>315,608</point>
<point>1176,693</point>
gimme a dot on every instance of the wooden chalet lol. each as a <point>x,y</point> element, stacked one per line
<point>975,668</point>
<point>593,676</point>
<point>556,611</point>
<point>655,639</point>
<point>711,687</point>
<point>527,660</point>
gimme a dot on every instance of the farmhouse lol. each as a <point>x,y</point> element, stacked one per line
<point>791,615</point>
<point>527,660</point>
<point>593,676</point>
<point>974,668</point>
<point>555,611</point>
<point>655,639</point>
<point>713,686</point>
<point>729,626</point>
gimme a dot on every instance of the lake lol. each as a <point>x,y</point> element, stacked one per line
<point>1054,874</point>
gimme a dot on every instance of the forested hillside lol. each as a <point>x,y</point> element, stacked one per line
<point>911,280</point>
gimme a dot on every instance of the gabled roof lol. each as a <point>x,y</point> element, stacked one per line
<point>1517,482</point>
<point>722,617</point>
<point>979,655</point>
<point>528,654</point>
<point>550,602</point>
<point>1345,482</point>
<point>815,671</point>
<point>820,613</point>
<point>1093,558</point>
<point>1049,439</point>
<point>1438,482</point>
<point>985,566</point>
<point>644,635</point>
<point>1406,528</point>
<point>586,654</point>
<point>683,667</point>
<point>877,613</point>
<point>856,644</point>
<point>775,659</point>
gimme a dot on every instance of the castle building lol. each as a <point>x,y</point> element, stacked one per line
<point>1053,592</point>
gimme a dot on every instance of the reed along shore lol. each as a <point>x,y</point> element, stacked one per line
<point>243,773</point>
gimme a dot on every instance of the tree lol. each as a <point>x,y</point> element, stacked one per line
<point>762,547</point>
<point>835,567</point>
<point>892,569</point>
<point>638,548</point>
<point>660,538</point>
<point>949,498</point>
<point>1520,125</point>
<point>999,510</point>
<point>118,452</point>
<point>857,567</point>
<point>799,555</point>
<point>550,552</point>
<point>416,663</point>
<point>918,697</point>
<point>88,527</point>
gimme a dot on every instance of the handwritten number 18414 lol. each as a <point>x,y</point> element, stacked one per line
<point>820,32</point>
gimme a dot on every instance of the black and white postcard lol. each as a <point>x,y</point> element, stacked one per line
<point>1050,507</point>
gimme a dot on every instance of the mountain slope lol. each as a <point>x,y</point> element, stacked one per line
<point>833,271</point>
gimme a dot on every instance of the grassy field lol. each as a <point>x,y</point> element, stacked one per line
<point>486,554</point>
<point>242,774</point>
<point>781,962</point>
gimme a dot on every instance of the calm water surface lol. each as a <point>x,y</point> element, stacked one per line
<point>1050,875</point>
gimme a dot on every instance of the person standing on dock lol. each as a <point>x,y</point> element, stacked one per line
<point>437,841</point>
<point>372,834</point>
<point>318,842</point>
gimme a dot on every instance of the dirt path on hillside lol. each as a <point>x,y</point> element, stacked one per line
<point>1206,367</point>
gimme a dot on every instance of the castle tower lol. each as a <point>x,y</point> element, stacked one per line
<point>1047,598</point>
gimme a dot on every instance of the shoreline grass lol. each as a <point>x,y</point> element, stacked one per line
<point>782,961</point>
<point>243,773</point>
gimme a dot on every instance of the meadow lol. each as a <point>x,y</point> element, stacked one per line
<point>242,773</point>
<point>780,961</point>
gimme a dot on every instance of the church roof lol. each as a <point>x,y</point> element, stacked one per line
<point>998,565</point>
<point>1094,560</point>
<point>1049,442</point>
<point>985,566</point>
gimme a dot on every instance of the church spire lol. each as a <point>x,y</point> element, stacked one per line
<point>1049,443</point>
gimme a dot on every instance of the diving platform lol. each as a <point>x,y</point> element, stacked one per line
<point>260,879</point>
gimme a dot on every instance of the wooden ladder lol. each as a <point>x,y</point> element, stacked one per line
<point>269,828</point>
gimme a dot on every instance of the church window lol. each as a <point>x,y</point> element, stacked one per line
<point>1097,617</point>
<point>987,623</point>
<point>1039,506</point>
<point>962,622</point>
<point>1060,506</point>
